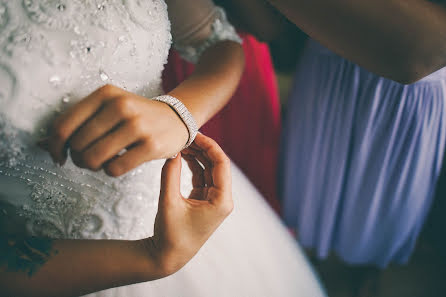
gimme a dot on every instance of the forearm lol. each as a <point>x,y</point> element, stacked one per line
<point>213,82</point>
<point>400,39</point>
<point>77,267</point>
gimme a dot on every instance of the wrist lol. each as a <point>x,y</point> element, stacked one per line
<point>183,113</point>
<point>158,262</point>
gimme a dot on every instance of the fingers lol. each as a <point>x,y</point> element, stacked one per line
<point>203,159</point>
<point>103,121</point>
<point>170,179</point>
<point>108,147</point>
<point>132,158</point>
<point>198,180</point>
<point>73,118</point>
<point>220,164</point>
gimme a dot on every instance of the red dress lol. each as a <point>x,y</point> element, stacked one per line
<point>248,127</point>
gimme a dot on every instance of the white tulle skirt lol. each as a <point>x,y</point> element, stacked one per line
<point>251,254</point>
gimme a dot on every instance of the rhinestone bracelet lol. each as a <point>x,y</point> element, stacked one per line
<point>183,113</point>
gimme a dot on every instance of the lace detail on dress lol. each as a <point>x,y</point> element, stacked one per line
<point>8,84</point>
<point>69,202</point>
<point>78,46</point>
<point>221,30</point>
<point>52,54</point>
<point>4,17</point>
<point>59,14</point>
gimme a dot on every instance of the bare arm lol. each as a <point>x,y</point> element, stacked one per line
<point>149,129</point>
<point>213,82</point>
<point>403,40</point>
<point>42,267</point>
<point>218,69</point>
<point>35,267</point>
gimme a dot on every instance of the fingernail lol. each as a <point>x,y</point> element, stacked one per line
<point>174,156</point>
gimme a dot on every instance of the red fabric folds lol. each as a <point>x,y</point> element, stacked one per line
<point>248,127</point>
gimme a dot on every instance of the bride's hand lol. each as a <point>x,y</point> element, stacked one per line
<point>183,225</point>
<point>110,120</point>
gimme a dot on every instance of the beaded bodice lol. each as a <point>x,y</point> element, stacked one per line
<point>52,54</point>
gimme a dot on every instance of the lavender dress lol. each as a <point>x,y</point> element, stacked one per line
<point>361,155</point>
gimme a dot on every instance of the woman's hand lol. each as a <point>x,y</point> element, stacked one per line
<point>101,126</point>
<point>183,225</point>
<point>78,267</point>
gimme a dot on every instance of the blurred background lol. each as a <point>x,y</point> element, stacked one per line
<point>425,274</point>
<point>250,129</point>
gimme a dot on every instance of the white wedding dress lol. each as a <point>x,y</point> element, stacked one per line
<point>52,54</point>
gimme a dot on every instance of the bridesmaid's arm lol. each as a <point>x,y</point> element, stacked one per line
<point>404,40</point>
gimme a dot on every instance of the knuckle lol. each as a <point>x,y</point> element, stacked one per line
<point>137,126</point>
<point>152,145</point>
<point>60,132</point>
<point>123,106</point>
<point>226,161</point>
<point>107,90</point>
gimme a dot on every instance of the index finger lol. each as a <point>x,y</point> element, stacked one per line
<point>72,119</point>
<point>221,165</point>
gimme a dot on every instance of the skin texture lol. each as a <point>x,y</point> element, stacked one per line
<point>111,120</point>
<point>404,40</point>
<point>182,226</point>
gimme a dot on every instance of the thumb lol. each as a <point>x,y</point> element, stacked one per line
<point>170,178</point>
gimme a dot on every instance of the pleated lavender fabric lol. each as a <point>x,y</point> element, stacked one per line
<point>361,155</point>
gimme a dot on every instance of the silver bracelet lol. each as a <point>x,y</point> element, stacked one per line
<point>183,113</point>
